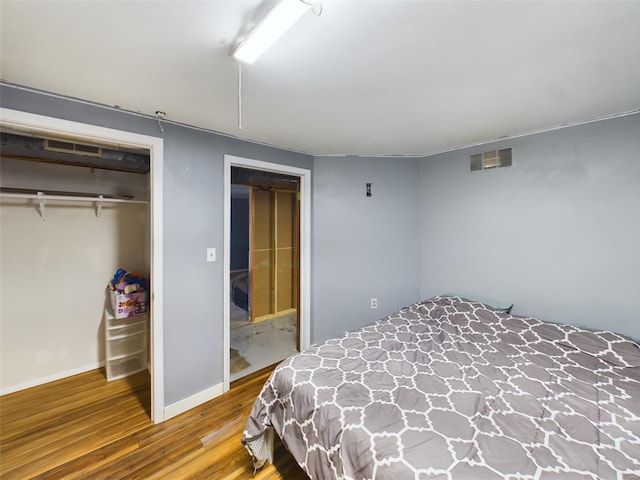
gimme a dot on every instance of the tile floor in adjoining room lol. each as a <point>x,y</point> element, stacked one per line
<point>261,344</point>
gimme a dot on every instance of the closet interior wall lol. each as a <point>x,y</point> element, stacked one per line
<point>55,270</point>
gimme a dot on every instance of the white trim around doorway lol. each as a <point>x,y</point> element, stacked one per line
<point>305,248</point>
<point>57,127</point>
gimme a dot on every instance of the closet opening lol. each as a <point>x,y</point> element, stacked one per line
<point>77,203</point>
<point>267,259</point>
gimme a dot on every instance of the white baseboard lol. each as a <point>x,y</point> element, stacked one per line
<point>49,378</point>
<point>188,403</point>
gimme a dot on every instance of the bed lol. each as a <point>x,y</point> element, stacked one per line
<point>450,388</point>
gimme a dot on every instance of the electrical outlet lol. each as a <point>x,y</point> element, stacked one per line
<point>374,303</point>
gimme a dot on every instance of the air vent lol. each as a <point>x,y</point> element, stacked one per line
<point>74,148</point>
<point>491,159</point>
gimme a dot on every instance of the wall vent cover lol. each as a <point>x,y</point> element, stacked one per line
<point>491,159</point>
<point>74,148</point>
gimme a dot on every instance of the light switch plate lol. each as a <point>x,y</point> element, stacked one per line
<point>211,254</point>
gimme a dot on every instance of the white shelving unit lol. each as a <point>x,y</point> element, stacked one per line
<point>126,344</point>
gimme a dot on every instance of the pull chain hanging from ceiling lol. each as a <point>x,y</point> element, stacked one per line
<point>240,95</point>
<point>277,21</point>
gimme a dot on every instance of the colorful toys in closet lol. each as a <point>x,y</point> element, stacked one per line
<point>124,282</point>
<point>128,292</point>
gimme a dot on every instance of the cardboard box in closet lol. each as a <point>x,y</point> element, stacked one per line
<point>129,304</point>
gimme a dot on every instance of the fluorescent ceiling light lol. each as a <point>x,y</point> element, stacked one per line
<point>274,25</point>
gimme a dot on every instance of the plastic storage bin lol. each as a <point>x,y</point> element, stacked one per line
<point>125,366</point>
<point>126,344</point>
<point>125,330</point>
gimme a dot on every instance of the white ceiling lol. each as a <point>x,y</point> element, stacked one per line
<point>365,77</point>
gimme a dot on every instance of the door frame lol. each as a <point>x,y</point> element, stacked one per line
<point>17,119</point>
<point>305,249</point>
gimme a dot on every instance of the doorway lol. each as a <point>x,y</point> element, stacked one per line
<point>266,306</point>
<point>264,271</point>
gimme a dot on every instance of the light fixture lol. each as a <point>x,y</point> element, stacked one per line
<point>272,27</point>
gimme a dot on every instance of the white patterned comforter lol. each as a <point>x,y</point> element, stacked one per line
<point>452,389</point>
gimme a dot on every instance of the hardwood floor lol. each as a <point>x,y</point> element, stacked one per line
<point>85,427</point>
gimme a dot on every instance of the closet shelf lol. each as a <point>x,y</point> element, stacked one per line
<point>42,198</point>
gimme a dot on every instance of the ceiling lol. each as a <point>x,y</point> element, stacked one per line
<point>363,78</point>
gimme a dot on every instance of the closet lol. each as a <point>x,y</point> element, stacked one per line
<point>71,214</point>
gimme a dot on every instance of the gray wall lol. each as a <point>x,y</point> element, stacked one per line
<point>193,221</point>
<point>363,247</point>
<point>557,234</point>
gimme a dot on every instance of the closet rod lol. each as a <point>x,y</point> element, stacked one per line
<point>54,193</point>
<point>42,198</point>
<point>69,198</point>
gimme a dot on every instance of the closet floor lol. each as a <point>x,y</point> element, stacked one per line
<point>85,427</point>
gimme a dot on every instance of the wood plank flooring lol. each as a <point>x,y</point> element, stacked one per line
<point>85,427</point>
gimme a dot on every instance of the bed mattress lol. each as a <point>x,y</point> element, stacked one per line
<point>454,389</point>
